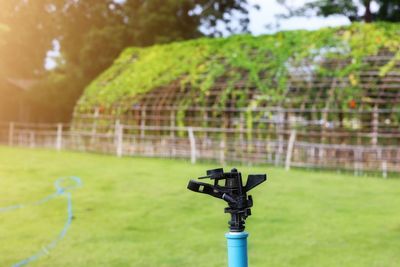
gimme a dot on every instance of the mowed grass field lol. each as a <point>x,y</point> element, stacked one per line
<point>138,212</point>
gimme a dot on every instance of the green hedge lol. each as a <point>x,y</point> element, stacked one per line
<point>200,62</point>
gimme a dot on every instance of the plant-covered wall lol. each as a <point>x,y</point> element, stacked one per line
<point>263,62</point>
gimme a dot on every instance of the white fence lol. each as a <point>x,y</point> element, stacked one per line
<point>197,143</point>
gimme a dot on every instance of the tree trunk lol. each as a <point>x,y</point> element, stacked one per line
<point>368,13</point>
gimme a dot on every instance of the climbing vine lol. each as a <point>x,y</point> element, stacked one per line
<point>265,62</point>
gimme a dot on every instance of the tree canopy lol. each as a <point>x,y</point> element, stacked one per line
<point>91,26</point>
<point>28,39</point>
<point>92,33</point>
<point>388,10</point>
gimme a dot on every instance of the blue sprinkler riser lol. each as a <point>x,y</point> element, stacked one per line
<point>237,249</point>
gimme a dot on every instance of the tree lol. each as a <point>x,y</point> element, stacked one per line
<point>28,38</point>
<point>389,10</point>
<point>29,35</point>
<point>92,33</point>
<point>361,10</point>
<point>88,27</point>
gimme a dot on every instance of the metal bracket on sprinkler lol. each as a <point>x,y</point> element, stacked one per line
<point>233,192</point>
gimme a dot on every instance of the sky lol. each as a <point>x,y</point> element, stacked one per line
<point>259,19</point>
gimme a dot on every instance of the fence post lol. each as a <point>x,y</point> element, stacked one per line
<point>172,133</point>
<point>172,125</point>
<point>358,167</point>
<point>31,139</point>
<point>289,151</point>
<point>241,133</point>
<point>143,123</point>
<point>116,129</point>
<point>375,125</point>
<point>59,136</point>
<point>321,154</point>
<point>279,127</point>
<point>384,169</point>
<point>312,156</point>
<point>382,159</point>
<point>11,134</point>
<point>206,124</point>
<point>119,135</point>
<point>192,141</point>
<point>94,126</point>
<point>222,151</point>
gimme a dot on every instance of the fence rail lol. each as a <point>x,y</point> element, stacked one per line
<point>194,143</point>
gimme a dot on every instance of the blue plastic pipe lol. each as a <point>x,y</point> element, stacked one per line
<point>237,249</point>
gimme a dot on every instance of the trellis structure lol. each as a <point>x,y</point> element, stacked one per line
<point>332,103</point>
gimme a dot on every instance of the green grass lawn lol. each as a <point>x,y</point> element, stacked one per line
<point>138,212</point>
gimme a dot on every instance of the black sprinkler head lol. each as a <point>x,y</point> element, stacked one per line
<point>233,192</point>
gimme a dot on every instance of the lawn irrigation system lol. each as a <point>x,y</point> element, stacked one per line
<point>239,204</point>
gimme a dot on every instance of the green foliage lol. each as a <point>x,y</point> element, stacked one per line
<point>90,27</point>
<point>30,35</point>
<point>90,34</point>
<point>388,10</point>
<point>87,27</point>
<point>348,8</point>
<point>264,62</point>
<point>52,99</point>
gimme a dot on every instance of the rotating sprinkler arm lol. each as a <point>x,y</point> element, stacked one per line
<point>212,190</point>
<point>234,193</point>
